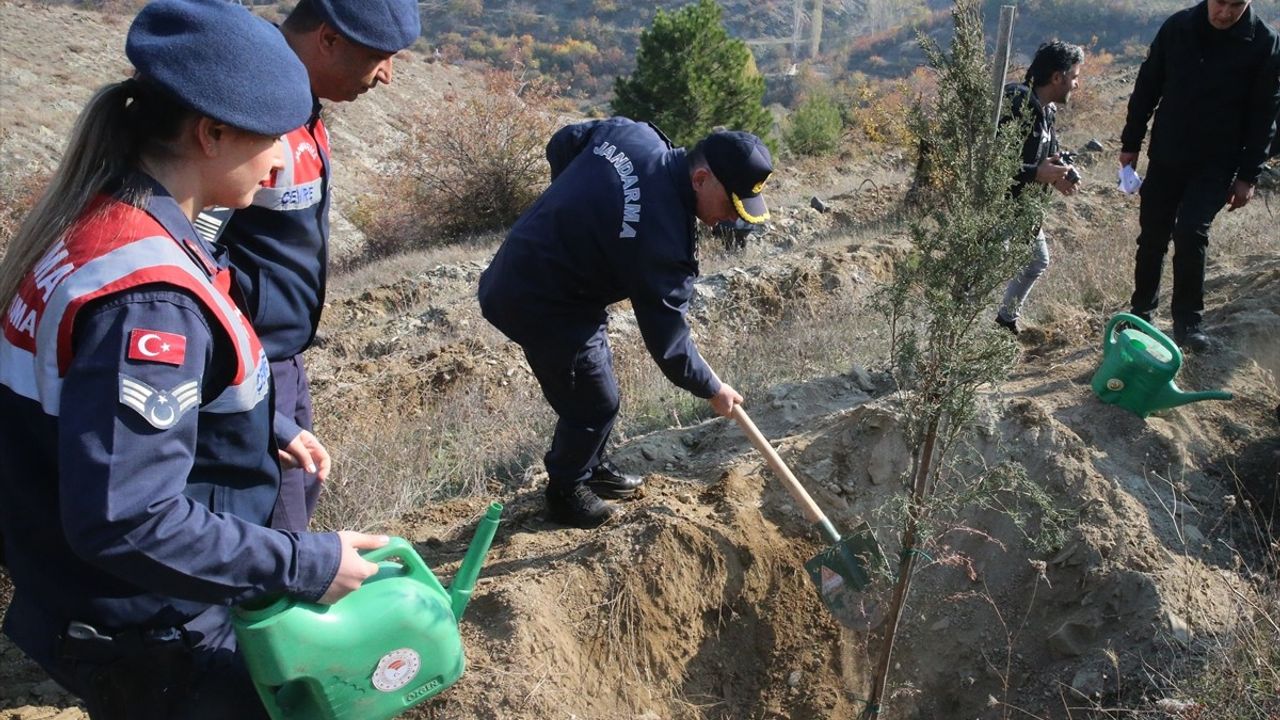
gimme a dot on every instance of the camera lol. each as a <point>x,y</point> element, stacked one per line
<point>1068,159</point>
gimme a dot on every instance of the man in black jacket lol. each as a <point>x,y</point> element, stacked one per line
<point>1053,75</point>
<point>1210,78</point>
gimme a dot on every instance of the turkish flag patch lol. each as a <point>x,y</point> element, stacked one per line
<point>157,347</point>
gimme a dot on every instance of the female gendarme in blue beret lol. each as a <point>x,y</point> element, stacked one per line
<point>137,466</point>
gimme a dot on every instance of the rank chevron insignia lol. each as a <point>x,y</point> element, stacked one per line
<point>161,408</point>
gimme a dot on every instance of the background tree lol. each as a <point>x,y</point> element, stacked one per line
<point>815,127</point>
<point>691,76</point>
<point>967,240</point>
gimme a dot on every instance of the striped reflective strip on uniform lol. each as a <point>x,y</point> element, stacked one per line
<point>17,369</point>
<point>152,257</point>
<point>293,187</point>
<point>290,197</point>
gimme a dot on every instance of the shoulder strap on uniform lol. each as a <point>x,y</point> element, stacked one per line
<point>212,221</point>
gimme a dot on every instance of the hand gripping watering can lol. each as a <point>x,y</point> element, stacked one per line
<point>1139,364</point>
<point>386,647</point>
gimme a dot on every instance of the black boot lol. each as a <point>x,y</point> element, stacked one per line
<point>1189,336</point>
<point>577,507</point>
<point>1010,325</point>
<point>608,481</point>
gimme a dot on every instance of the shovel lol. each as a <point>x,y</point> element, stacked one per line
<point>841,571</point>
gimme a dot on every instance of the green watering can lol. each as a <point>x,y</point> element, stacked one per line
<point>380,650</point>
<point>1139,364</point>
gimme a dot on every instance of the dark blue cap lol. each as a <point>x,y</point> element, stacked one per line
<point>741,162</point>
<point>387,26</point>
<point>219,59</point>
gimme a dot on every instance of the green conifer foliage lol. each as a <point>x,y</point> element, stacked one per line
<point>691,76</point>
<point>815,127</point>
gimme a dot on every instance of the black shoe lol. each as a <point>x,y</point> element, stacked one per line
<point>1191,337</point>
<point>608,481</point>
<point>577,507</point>
<point>1010,325</point>
<point>1144,316</point>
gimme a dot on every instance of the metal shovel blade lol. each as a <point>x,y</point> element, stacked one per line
<point>842,572</point>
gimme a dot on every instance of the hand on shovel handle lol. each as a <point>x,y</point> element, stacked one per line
<point>725,400</point>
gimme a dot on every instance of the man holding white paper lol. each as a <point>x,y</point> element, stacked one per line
<point>1212,80</point>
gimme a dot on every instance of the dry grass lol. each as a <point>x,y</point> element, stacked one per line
<point>18,192</point>
<point>1240,675</point>
<point>390,462</point>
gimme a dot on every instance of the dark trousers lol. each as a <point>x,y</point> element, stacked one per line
<point>1180,205</point>
<point>215,686</point>
<point>202,679</point>
<point>579,383</point>
<point>299,489</point>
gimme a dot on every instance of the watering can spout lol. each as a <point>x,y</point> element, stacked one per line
<point>465,580</point>
<point>1172,397</point>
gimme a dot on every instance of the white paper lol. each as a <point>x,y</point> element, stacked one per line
<point>1130,181</point>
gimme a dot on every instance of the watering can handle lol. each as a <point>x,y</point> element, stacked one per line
<point>811,510</point>
<point>400,548</point>
<point>1149,330</point>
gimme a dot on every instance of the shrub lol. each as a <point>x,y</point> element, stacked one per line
<point>815,127</point>
<point>944,350</point>
<point>880,110</point>
<point>470,165</point>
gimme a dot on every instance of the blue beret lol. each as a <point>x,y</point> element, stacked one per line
<point>387,26</point>
<point>219,59</point>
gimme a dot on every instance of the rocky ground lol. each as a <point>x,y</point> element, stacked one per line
<point>694,603</point>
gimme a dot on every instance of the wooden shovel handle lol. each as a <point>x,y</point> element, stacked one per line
<point>811,509</point>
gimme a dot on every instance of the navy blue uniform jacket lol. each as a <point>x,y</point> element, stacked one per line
<point>279,245</point>
<point>616,223</point>
<point>136,463</point>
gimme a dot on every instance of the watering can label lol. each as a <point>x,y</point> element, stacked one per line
<point>396,669</point>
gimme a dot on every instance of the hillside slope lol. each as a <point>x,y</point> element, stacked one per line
<point>53,57</point>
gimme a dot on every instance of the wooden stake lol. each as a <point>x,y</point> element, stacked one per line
<point>1000,67</point>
